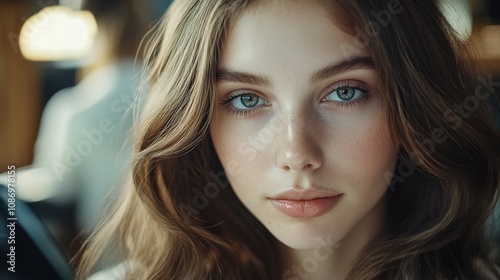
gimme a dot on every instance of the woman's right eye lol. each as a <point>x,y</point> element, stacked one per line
<point>246,101</point>
<point>243,103</point>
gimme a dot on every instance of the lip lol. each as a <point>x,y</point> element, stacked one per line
<point>305,204</point>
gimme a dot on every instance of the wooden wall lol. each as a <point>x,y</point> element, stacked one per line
<point>20,85</point>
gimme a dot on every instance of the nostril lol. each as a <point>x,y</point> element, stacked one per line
<point>308,166</point>
<point>305,167</point>
<point>299,155</point>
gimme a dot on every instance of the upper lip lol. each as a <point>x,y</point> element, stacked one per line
<point>304,194</point>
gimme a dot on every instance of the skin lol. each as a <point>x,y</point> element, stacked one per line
<point>301,134</point>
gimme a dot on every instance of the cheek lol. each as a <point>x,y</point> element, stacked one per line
<point>238,147</point>
<point>368,156</point>
<point>245,150</point>
<point>236,161</point>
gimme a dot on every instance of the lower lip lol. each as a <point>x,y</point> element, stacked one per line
<point>305,208</point>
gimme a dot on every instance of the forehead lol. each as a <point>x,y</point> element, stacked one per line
<point>286,33</point>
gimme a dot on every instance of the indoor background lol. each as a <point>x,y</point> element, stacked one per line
<point>83,55</point>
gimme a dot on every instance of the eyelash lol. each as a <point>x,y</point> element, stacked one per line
<point>351,104</point>
<point>342,105</point>
<point>237,112</point>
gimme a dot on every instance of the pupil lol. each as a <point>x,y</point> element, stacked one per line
<point>346,93</point>
<point>249,101</point>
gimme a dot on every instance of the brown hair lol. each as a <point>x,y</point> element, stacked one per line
<point>447,180</point>
<point>178,219</point>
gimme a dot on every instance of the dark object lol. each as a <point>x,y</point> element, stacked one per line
<point>493,10</point>
<point>36,254</point>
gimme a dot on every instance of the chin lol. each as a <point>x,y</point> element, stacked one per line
<point>307,236</point>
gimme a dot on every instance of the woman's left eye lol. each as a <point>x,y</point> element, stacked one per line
<point>345,94</point>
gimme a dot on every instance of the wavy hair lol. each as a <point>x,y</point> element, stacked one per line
<point>178,218</point>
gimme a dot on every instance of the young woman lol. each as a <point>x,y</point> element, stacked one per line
<point>308,140</point>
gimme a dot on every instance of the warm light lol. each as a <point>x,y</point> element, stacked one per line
<point>459,16</point>
<point>490,39</point>
<point>58,33</point>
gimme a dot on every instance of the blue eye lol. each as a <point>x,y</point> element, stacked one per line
<point>345,94</point>
<point>246,101</point>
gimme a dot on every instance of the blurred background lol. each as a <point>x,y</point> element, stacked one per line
<point>68,76</point>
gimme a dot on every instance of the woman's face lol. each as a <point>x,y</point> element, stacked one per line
<point>300,127</point>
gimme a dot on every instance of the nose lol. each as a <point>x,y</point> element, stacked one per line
<point>298,147</point>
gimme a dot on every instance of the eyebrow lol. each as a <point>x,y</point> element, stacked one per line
<point>349,64</point>
<point>225,75</point>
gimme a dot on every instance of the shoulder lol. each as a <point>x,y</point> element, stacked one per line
<point>116,272</point>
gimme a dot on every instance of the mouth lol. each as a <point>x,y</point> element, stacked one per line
<point>305,204</point>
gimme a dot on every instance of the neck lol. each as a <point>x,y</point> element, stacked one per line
<point>333,262</point>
